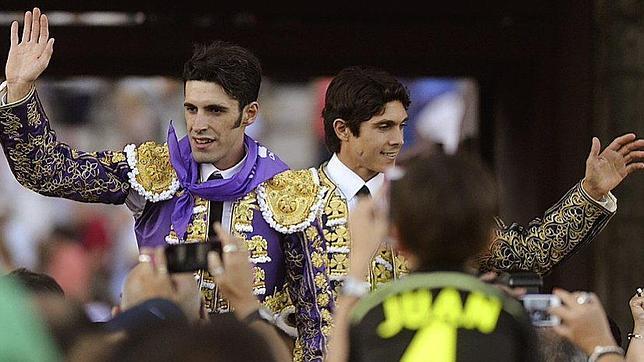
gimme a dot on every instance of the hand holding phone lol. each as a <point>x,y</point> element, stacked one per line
<point>537,306</point>
<point>189,257</point>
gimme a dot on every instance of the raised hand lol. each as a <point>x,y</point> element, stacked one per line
<point>28,57</point>
<point>606,170</point>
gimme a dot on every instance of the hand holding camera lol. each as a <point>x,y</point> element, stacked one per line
<point>583,320</point>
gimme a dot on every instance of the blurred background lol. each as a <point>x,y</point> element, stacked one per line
<point>525,84</point>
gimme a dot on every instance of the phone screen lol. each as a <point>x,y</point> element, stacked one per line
<point>537,306</point>
<point>188,257</point>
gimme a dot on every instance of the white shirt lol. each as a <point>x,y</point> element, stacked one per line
<point>349,182</point>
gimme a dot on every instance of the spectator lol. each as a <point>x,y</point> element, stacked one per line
<point>431,311</point>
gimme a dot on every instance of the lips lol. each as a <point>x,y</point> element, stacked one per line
<point>202,143</point>
<point>390,154</point>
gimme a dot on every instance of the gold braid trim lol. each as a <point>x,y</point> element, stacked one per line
<point>152,174</point>
<point>291,200</point>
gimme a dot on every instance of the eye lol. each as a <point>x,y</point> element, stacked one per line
<point>190,109</point>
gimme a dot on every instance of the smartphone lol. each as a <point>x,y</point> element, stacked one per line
<point>537,306</point>
<point>188,257</point>
<point>529,280</point>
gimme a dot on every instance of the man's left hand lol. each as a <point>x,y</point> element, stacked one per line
<point>606,170</point>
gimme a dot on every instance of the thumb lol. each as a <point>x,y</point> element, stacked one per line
<point>594,149</point>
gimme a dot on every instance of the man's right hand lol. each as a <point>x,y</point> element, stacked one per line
<point>28,58</point>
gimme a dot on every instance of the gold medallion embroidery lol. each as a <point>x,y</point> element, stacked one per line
<point>156,174</point>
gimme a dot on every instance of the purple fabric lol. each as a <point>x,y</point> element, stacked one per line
<point>257,169</point>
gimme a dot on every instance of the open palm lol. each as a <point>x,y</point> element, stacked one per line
<point>606,170</point>
<point>29,56</point>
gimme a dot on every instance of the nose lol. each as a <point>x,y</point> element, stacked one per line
<point>200,123</point>
<point>397,137</point>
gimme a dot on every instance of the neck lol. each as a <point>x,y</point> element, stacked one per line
<point>364,173</point>
<point>233,158</point>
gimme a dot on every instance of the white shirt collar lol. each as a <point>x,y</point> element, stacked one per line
<point>207,169</point>
<point>348,181</point>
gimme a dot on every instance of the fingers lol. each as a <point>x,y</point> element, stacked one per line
<point>488,277</point>
<point>44,29</point>
<point>566,297</point>
<point>634,167</point>
<point>222,234</point>
<point>634,145</point>
<point>215,265</point>
<point>562,330</point>
<point>633,155</point>
<point>621,141</point>
<point>45,57</point>
<point>229,243</point>
<point>26,27</point>
<point>35,26</point>
<point>594,148</point>
<point>160,261</point>
<point>14,33</point>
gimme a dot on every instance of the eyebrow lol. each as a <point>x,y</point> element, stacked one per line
<point>389,121</point>
<point>208,107</point>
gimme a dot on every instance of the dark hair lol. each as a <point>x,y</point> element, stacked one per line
<point>444,207</point>
<point>355,95</point>
<point>234,68</point>
<point>36,282</point>
<point>223,339</point>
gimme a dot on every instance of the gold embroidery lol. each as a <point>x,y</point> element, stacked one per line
<point>258,248</point>
<point>290,196</point>
<point>242,217</point>
<point>339,237</point>
<point>258,281</point>
<point>336,208</point>
<point>277,302</point>
<point>320,281</point>
<point>312,233</point>
<point>197,230</point>
<point>338,264</point>
<point>545,242</point>
<point>156,174</point>
<point>33,116</point>
<point>48,167</point>
<point>317,259</point>
<point>323,299</point>
<point>118,157</point>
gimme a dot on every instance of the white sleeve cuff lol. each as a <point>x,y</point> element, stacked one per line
<point>3,96</point>
<point>608,201</point>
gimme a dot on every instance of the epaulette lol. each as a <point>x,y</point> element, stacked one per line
<point>291,200</point>
<point>151,173</point>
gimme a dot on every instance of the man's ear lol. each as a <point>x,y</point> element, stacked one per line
<point>249,114</point>
<point>341,129</point>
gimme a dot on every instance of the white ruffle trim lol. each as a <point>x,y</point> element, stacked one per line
<point>243,228</point>
<point>261,259</point>
<point>381,261</point>
<point>268,214</point>
<point>341,249</point>
<point>130,152</point>
<point>282,317</point>
<point>338,221</point>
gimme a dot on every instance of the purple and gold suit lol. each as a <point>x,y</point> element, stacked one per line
<point>277,220</point>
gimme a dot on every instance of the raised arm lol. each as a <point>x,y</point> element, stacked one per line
<point>573,221</point>
<point>28,57</point>
<point>37,160</point>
